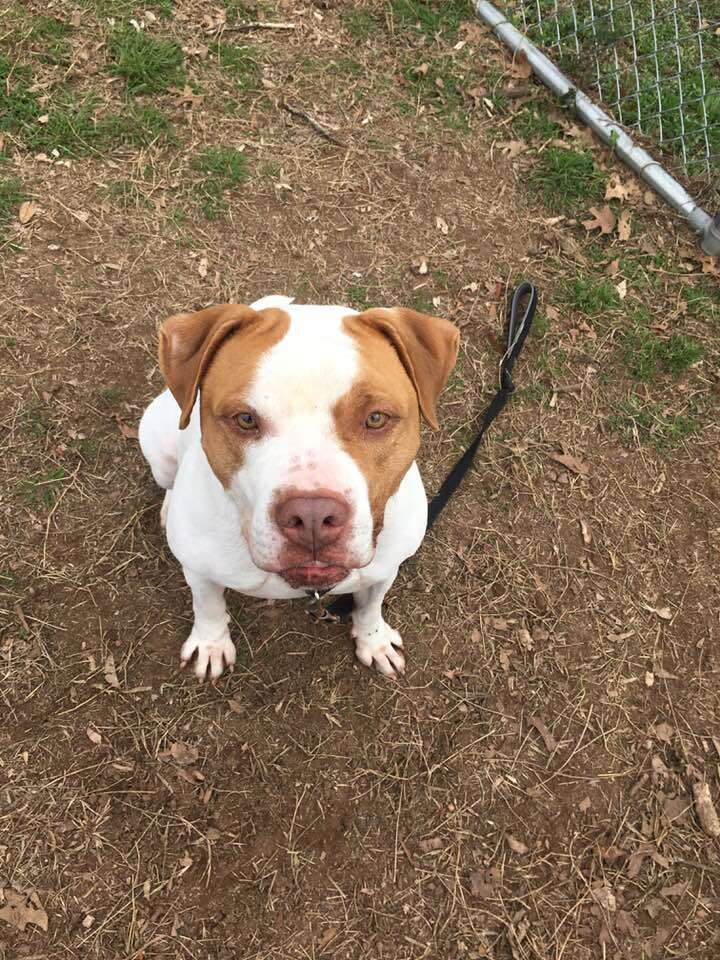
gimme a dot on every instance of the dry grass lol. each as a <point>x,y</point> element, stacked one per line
<point>526,792</point>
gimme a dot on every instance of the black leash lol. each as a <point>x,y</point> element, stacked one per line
<point>517,327</point>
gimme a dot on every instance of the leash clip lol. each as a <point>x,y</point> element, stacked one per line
<point>317,610</point>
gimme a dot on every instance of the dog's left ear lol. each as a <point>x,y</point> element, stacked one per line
<point>189,341</point>
<point>427,347</point>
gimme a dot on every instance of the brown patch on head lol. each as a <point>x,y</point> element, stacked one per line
<point>405,359</point>
<point>219,349</point>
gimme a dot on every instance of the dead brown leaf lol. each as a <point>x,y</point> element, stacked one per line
<point>603,219</point>
<point>549,740</point>
<point>110,673</point>
<point>585,531</point>
<point>521,68</point>
<point>707,814</point>
<point>183,754</point>
<point>327,937</point>
<point>27,211</point>
<point>483,884</point>
<point>130,433</point>
<point>512,148</point>
<point>612,269</point>
<point>21,909</point>
<point>663,732</point>
<point>623,225</point>
<point>710,265</point>
<point>571,463</point>
<point>676,890</point>
<point>517,846</point>
<point>430,844</point>
<point>93,736</point>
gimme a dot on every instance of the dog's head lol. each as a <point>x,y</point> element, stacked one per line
<point>310,419</point>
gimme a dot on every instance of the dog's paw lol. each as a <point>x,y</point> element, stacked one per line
<point>380,648</point>
<point>212,653</point>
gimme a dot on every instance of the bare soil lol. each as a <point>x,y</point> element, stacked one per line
<point>526,791</point>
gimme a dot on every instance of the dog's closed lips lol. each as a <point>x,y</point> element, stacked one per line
<point>307,490</point>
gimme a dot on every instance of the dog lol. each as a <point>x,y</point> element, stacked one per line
<point>286,443</point>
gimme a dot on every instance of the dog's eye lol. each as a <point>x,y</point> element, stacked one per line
<point>376,420</point>
<point>246,421</point>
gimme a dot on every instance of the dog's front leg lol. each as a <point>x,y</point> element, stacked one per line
<point>210,636</point>
<point>375,642</point>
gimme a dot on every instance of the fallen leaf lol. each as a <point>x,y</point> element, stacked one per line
<point>188,97</point>
<point>110,673</point>
<point>622,289</point>
<point>603,220</point>
<point>327,937</point>
<point>663,732</point>
<point>616,189</point>
<point>432,843</point>
<point>710,265</point>
<point>604,897</point>
<point>552,313</point>
<point>183,754</point>
<point>549,740</point>
<point>623,225</point>
<point>27,211</point>
<point>571,463</point>
<point>676,890</point>
<point>654,907</point>
<point>664,674</point>
<point>20,909</point>
<point>422,70</point>
<point>624,923</point>
<point>525,640</point>
<point>585,531</point>
<point>612,269</point>
<point>521,68</point>
<point>482,884</point>
<point>663,612</point>
<point>93,736</point>
<point>203,267</point>
<point>585,804</point>
<point>517,846</point>
<point>442,226</point>
<point>419,267</point>
<point>707,814</point>
<point>512,148</point>
<point>130,433</point>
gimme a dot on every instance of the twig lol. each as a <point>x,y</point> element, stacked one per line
<point>258,25</point>
<point>317,127</point>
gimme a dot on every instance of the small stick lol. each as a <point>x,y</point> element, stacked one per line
<point>317,127</point>
<point>258,25</point>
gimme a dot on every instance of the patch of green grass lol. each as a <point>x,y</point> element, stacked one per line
<point>422,302</point>
<point>646,355</point>
<point>146,64</point>
<point>11,196</point>
<point>532,123</point>
<point>431,17</point>
<point>703,298</point>
<point>540,326</point>
<point>345,67</point>
<point>359,23</point>
<point>239,62</point>
<point>43,489</point>
<point>552,361</point>
<point>220,169</point>
<point>358,296</point>
<point>139,126</point>
<point>437,83</point>
<point>33,420</point>
<point>52,34</point>
<point>591,295</point>
<point>638,420</point>
<point>567,180</point>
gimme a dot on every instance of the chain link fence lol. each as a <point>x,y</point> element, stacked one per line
<point>651,69</point>
<point>654,64</point>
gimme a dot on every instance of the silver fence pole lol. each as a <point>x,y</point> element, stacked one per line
<point>652,172</point>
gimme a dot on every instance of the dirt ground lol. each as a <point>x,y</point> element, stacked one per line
<point>533,788</point>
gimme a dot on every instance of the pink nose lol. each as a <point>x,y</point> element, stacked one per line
<point>312,522</point>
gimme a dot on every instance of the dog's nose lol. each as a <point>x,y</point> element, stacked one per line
<point>312,522</point>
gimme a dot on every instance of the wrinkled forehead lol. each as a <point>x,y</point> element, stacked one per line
<point>309,369</point>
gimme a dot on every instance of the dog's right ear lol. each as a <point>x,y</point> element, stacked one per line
<point>188,342</point>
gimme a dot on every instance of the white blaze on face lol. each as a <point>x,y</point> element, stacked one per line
<point>294,390</point>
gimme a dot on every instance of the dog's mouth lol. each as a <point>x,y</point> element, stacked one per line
<point>315,575</point>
